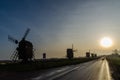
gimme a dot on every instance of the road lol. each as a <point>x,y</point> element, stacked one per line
<point>93,70</point>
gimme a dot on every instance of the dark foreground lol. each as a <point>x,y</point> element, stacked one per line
<point>93,70</point>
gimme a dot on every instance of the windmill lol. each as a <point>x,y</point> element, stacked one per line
<point>70,52</point>
<point>24,51</point>
<point>116,52</point>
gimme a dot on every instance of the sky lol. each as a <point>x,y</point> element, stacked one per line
<point>57,24</point>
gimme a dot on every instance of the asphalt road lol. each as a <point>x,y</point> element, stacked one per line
<point>93,70</point>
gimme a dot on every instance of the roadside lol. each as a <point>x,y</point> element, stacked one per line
<point>114,63</point>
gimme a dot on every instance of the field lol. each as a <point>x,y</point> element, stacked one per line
<point>41,64</point>
<point>114,62</point>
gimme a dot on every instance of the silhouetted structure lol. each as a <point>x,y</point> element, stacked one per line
<point>116,52</point>
<point>87,54</point>
<point>24,51</point>
<point>69,53</point>
<point>44,55</point>
<point>92,55</point>
<point>95,55</point>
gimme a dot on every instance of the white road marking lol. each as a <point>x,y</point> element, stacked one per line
<point>105,72</point>
<point>61,74</point>
<point>37,78</point>
<point>50,73</point>
<point>108,71</point>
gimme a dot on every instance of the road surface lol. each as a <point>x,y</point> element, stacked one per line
<point>93,70</point>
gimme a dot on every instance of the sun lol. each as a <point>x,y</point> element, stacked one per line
<point>106,42</point>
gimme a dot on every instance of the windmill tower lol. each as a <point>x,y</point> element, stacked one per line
<point>24,51</point>
<point>70,52</point>
<point>88,54</point>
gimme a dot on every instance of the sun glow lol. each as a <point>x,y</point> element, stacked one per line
<point>106,42</point>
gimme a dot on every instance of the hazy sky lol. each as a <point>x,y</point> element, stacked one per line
<point>57,24</point>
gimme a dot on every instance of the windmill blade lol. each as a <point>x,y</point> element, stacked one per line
<point>75,50</point>
<point>12,39</point>
<point>26,33</point>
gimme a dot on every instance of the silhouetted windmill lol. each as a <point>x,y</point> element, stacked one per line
<point>24,51</point>
<point>70,52</point>
<point>116,52</point>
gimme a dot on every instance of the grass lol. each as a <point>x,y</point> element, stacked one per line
<point>42,64</point>
<point>114,62</point>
